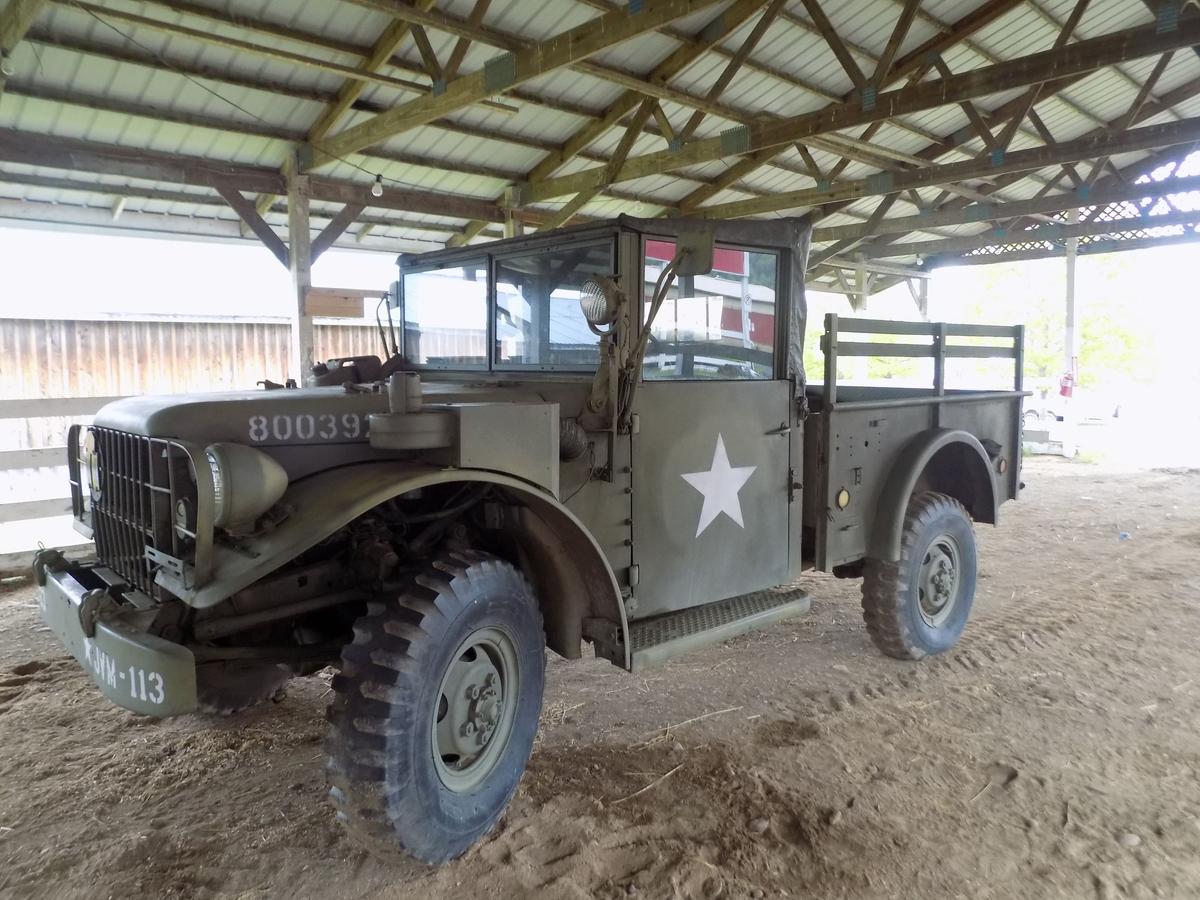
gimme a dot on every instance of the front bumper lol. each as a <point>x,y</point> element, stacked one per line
<point>133,669</point>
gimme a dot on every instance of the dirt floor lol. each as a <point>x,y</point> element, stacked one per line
<point>1055,754</point>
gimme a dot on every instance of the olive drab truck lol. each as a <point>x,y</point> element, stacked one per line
<point>599,437</point>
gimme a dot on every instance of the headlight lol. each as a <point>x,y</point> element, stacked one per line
<point>91,460</point>
<point>599,298</point>
<point>246,483</point>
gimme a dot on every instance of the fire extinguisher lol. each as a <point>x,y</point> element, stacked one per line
<point>1066,385</point>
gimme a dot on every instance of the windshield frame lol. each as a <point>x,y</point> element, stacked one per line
<point>481,261</point>
<point>497,259</point>
<point>487,255</point>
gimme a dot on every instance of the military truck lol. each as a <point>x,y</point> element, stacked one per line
<point>601,435</point>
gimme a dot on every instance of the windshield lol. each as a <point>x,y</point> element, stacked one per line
<point>445,316</point>
<point>538,319</point>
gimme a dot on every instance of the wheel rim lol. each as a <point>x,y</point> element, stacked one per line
<point>475,709</point>
<point>938,581</point>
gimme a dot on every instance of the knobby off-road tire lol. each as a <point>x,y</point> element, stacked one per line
<point>436,708</point>
<point>226,688</point>
<point>918,606</point>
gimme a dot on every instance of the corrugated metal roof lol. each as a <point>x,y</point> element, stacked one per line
<point>170,86</point>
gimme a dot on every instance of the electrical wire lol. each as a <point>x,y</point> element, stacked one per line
<point>586,478</point>
<point>158,56</point>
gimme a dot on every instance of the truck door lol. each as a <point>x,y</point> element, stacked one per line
<point>711,449</point>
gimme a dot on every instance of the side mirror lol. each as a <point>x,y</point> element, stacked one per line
<point>696,248</point>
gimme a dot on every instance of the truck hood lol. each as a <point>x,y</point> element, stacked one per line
<point>283,417</point>
<point>307,415</point>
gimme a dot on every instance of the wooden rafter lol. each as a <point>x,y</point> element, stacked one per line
<point>1077,58</point>
<point>1019,161</point>
<point>381,51</point>
<point>185,66</point>
<point>248,214</point>
<point>1143,94</point>
<point>463,44</point>
<point>632,131</point>
<point>836,44</point>
<point>984,133</point>
<point>112,13</point>
<point>883,65</point>
<point>848,244</point>
<point>433,68</point>
<point>519,66</point>
<point>1030,97</point>
<point>1049,140</point>
<point>735,63</point>
<point>725,23</point>
<point>174,168</point>
<point>325,43</point>
<point>337,226</point>
<point>87,100</point>
<point>913,67</point>
<point>1148,110</point>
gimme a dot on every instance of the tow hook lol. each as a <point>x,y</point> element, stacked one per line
<point>47,560</point>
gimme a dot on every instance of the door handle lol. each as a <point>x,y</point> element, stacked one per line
<point>782,429</point>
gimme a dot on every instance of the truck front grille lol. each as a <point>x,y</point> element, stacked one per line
<point>145,508</point>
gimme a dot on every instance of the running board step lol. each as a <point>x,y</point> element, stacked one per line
<point>656,640</point>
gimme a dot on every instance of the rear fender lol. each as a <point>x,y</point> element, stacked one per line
<point>940,459</point>
<point>569,570</point>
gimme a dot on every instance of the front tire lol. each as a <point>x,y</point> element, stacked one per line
<point>918,605</point>
<point>436,708</point>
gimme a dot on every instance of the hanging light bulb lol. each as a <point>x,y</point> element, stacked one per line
<point>377,187</point>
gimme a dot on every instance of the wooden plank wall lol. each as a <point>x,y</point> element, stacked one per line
<point>68,358</point>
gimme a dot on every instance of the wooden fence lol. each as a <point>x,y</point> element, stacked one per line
<point>47,358</point>
<point>56,372</point>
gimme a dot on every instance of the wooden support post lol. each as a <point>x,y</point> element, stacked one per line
<point>1071,337</point>
<point>301,357</point>
<point>860,282</point>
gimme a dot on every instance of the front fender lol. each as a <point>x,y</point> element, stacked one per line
<point>975,486</point>
<point>564,554</point>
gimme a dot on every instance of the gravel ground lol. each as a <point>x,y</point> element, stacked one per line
<point>1053,754</point>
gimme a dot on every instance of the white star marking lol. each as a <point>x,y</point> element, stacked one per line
<point>720,486</point>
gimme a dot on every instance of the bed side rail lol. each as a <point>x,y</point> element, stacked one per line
<point>1011,345</point>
